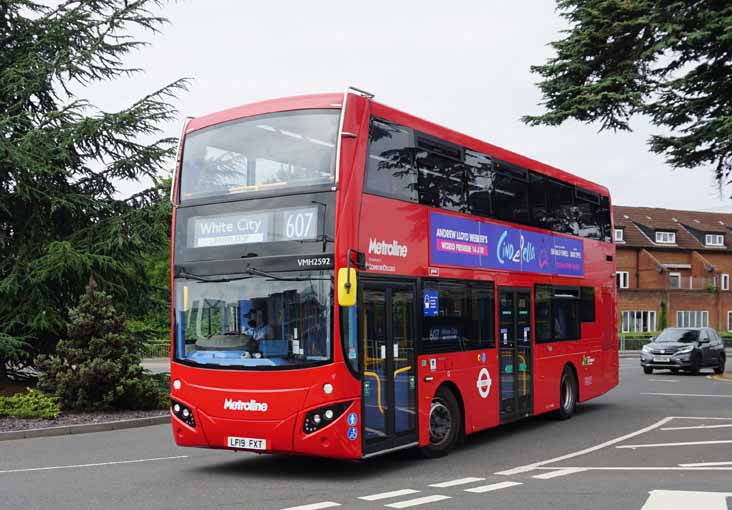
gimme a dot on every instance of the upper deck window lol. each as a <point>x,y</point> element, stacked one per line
<point>390,169</point>
<point>268,152</point>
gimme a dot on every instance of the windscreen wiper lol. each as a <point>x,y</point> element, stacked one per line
<point>257,272</point>
<point>191,276</point>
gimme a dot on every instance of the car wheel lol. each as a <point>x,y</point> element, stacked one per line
<point>568,394</point>
<point>674,371</point>
<point>445,424</point>
<point>719,369</point>
<point>647,370</point>
<point>695,364</point>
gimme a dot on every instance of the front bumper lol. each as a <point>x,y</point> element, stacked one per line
<point>680,361</point>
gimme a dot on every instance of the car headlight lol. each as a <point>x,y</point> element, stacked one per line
<point>685,350</point>
<point>646,348</point>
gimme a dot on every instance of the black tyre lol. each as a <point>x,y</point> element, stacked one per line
<point>719,369</point>
<point>695,364</point>
<point>647,370</point>
<point>568,395</point>
<point>445,424</point>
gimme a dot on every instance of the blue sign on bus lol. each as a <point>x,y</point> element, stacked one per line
<point>431,303</point>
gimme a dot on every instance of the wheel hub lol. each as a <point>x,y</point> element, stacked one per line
<point>440,422</point>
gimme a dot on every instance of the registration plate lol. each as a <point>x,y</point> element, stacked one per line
<point>661,359</point>
<point>247,443</point>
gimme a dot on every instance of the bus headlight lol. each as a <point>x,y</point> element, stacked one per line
<point>319,418</point>
<point>183,413</point>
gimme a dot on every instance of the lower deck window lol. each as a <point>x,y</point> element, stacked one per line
<point>560,311</point>
<point>457,316</point>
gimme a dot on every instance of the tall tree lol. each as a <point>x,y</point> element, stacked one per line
<point>61,159</point>
<point>668,60</point>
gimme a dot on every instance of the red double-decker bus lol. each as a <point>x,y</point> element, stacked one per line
<point>350,280</point>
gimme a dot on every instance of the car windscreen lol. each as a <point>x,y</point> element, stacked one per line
<point>678,335</point>
<point>277,151</point>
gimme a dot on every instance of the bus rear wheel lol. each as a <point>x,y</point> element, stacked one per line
<point>568,395</point>
<point>445,423</point>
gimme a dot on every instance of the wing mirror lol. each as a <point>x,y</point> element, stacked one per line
<point>347,285</point>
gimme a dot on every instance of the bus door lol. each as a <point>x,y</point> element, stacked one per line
<point>389,370</point>
<point>514,350</point>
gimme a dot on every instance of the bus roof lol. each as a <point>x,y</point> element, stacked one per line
<point>335,100</point>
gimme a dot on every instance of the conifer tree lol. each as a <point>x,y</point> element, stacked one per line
<point>668,60</point>
<point>98,365</point>
<point>61,160</point>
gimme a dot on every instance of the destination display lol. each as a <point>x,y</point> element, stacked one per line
<point>291,224</point>
<point>472,243</point>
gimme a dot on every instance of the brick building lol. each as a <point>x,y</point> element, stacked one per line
<point>673,267</point>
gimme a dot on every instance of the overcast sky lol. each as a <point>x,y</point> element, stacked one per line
<point>462,64</point>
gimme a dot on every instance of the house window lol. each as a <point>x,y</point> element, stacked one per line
<point>692,319</point>
<point>638,321</point>
<point>622,279</point>
<point>674,280</point>
<point>666,237</point>
<point>725,282</point>
<point>714,240</point>
<point>729,321</point>
<point>619,235</point>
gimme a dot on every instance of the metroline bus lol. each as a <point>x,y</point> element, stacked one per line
<point>350,280</point>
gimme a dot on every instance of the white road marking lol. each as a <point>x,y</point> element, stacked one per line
<point>686,443</point>
<point>314,506</point>
<point>531,467</point>
<point>685,395</point>
<point>705,464</point>
<point>492,487</point>
<point>682,500</point>
<point>386,495</point>
<point>558,473</point>
<point>643,468</point>
<point>417,501</point>
<point>459,481</point>
<point>663,380</point>
<point>96,464</point>
<point>699,427</point>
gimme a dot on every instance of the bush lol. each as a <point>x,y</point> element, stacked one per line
<point>31,404</point>
<point>98,365</point>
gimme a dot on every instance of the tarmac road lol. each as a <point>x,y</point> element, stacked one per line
<point>657,441</point>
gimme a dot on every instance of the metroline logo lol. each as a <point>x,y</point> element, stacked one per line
<point>240,405</point>
<point>385,248</point>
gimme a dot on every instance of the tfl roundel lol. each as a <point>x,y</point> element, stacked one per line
<point>484,382</point>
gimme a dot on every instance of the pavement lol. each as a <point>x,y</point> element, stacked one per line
<point>655,442</point>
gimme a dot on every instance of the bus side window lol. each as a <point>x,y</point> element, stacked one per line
<point>588,205</point>
<point>479,176</point>
<point>480,330</point>
<point>543,313</point>
<point>587,304</point>
<point>510,198</point>
<point>440,181</point>
<point>390,167</point>
<point>562,208</point>
<point>444,321</point>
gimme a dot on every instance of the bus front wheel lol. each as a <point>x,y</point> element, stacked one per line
<point>568,394</point>
<point>445,422</point>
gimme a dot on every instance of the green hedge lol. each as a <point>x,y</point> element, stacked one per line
<point>31,404</point>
